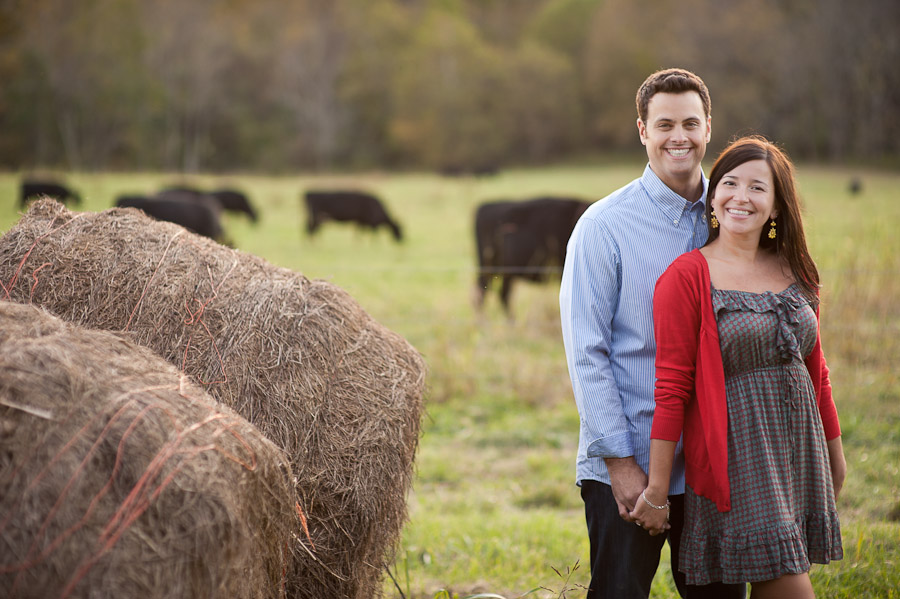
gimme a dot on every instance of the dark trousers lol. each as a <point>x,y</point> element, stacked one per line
<point>624,557</point>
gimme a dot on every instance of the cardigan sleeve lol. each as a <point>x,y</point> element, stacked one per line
<point>676,322</point>
<point>818,371</point>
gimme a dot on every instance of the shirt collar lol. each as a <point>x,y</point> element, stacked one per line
<point>669,202</point>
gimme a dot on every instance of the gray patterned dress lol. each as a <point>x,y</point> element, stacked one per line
<point>782,513</point>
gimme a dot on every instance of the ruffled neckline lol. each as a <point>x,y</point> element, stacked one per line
<point>785,305</point>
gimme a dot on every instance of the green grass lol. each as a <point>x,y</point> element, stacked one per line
<point>494,508</point>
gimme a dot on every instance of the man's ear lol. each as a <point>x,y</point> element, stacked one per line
<point>642,131</point>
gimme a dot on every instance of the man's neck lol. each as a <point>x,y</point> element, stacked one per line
<point>691,190</point>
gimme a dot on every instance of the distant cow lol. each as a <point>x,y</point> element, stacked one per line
<point>235,201</point>
<point>186,194</point>
<point>483,169</point>
<point>195,216</point>
<point>230,200</point>
<point>349,206</point>
<point>33,188</point>
<point>522,239</point>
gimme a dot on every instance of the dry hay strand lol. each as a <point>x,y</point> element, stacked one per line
<point>120,478</point>
<point>340,393</point>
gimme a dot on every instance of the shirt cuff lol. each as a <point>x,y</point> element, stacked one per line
<point>613,446</point>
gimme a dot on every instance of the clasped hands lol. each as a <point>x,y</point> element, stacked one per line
<point>652,518</point>
<point>628,481</point>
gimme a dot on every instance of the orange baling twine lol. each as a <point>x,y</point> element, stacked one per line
<point>147,489</point>
<point>193,319</point>
<point>15,277</point>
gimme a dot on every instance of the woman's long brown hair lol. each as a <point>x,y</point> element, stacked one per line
<point>790,240</point>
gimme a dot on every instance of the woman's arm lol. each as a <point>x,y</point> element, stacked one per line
<point>838,464</point>
<point>676,323</point>
<point>655,521</point>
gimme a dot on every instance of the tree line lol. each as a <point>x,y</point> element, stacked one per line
<point>456,85</point>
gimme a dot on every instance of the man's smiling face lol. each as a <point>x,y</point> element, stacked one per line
<point>676,133</point>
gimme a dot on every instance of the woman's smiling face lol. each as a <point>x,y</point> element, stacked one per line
<point>744,199</point>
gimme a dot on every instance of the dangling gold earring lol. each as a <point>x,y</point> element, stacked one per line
<point>772,230</point>
<point>713,221</point>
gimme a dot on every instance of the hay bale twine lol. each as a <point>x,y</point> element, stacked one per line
<point>340,393</point>
<point>120,478</point>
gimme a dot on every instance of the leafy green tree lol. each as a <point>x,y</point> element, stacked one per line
<point>83,60</point>
<point>186,53</point>
<point>312,46</point>
<point>449,97</point>
<point>544,103</point>
<point>563,25</point>
<point>618,56</point>
<point>377,33</point>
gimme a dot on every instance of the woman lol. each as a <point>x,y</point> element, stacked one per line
<point>740,372</point>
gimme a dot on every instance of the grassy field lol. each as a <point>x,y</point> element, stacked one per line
<point>494,508</point>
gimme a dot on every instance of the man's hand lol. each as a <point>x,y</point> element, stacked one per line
<point>651,516</point>
<point>627,480</point>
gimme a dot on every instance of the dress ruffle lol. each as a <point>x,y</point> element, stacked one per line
<point>762,554</point>
<point>785,305</point>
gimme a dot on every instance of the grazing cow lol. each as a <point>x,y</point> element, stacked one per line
<point>349,206</point>
<point>195,216</point>
<point>229,200</point>
<point>522,239</point>
<point>483,169</point>
<point>33,188</point>
<point>235,201</point>
<point>187,194</point>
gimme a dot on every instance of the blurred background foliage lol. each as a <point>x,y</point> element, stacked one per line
<point>279,86</point>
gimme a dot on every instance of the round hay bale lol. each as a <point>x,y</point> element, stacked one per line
<point>340,393</point>
<point>120,478</point>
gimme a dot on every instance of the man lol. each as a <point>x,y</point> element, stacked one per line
<point>619,248</point>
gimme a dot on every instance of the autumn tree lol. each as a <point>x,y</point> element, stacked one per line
<point>544,103</point>
<point>273,85</point>
<point>449,96</point>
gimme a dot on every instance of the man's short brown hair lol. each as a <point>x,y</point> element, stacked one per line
<point>670,81</point>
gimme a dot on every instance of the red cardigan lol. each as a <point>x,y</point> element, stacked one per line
<point>690,377</point>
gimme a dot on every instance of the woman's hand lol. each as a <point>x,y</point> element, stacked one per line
<point>838,464</point>
<point>651,508</point>
<point>652,518</point>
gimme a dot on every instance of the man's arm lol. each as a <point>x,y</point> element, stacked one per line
<point>589,299</point>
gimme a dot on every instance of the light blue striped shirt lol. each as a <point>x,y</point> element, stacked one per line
<point>619,248</point>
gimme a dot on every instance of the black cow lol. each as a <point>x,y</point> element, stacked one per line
<point>349,206</point>
<point>195,216</point>
<point>230,200</point>
<point>187,194</point>
<point>522,239</point>
<point>235,201</point>
<point>483,169</point>
<point>178,192</point>
<point>33,188</point>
